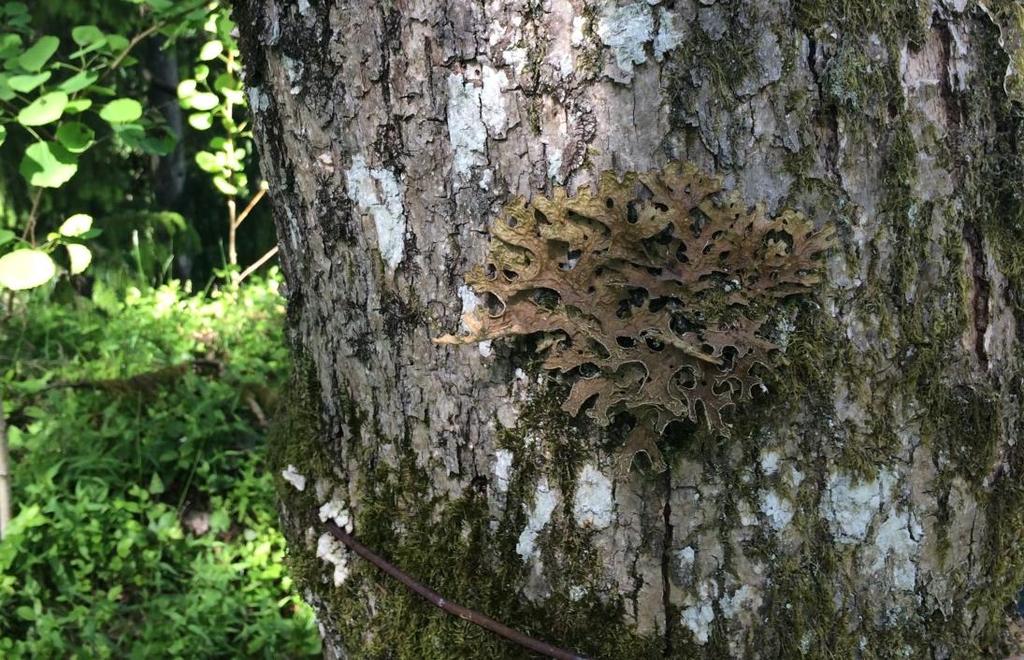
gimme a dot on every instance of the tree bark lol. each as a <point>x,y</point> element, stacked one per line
<point>870,504</point>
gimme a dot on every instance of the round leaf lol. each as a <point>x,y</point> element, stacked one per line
<point>210,50</point>
<point>225,186</point>
<point>78,82</point>
<point>26,269</point>
<point>39,54</point>
<point>200,121</point>
<point>6,93</point>
<point>121,111</point>
<point>79,256</point>
<point>78,105</point>
<point>83,35</point>
<point>186,88</point>
<point>45,109</point>
<point>76,225</point>
<point>204,101</point>
<point>48,165</point>
<point>207,162</point>
<point>10,45</point>
<point>28,81</point>
<point>75,136</point>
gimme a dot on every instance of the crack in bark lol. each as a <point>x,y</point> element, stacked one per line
<point>980,290</point>
<point>666,560</point>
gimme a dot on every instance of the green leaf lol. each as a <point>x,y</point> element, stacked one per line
<point>121,111</point>
<point>204,101</point>
<point>225,186</point>
<point>117,42</point>
<point>48,165</point>
<point>207,162</point>
<point>78,105</point>
<point>75,136</point>
<point>76,225</point>
<point>6,93</point>
<point>211,50</point>
<point>3,134</point>
<point>225,81</point>
<point>10,45</point>
<point>199,121</point>
<point>26,269</point>
<point>44,110</point>
<point>83,35</point>
<point>39,54</point>
<point>6,236</point>
<point>235,96</point>
<point>28,81</point>
<point>79,256</point>
<point>186,88</point>
<point>156,484</point>
<point>201,71</point>
<point>78,82</point>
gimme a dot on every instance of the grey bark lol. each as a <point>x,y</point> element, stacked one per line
<point>868,506</point>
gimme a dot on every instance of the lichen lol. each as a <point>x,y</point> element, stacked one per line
<point>651,291</point>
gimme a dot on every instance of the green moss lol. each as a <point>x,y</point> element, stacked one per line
<point>452,546</point>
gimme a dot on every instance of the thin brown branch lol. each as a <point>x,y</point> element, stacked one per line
<point>259,262</point>
<point>232,229</point>
<point>5,474</point>
<point>132,44</point>
<point>30,227</point>
<point>252,203</point>
<point>438,600</point>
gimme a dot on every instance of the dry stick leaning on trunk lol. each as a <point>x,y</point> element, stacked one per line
<point>5,473</point>
<point>438,600</point>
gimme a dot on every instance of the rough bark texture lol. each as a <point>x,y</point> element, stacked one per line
<point>869,505</point>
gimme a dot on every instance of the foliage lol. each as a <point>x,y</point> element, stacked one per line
<point>146,524</point>
<point>74,96</point>
<point>214,95</point>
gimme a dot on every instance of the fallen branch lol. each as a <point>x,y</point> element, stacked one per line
<point>438,600</point>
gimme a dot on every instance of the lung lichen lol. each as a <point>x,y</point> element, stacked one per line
<point>652,291</point>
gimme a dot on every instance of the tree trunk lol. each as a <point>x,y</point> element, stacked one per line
<point>869,504</point>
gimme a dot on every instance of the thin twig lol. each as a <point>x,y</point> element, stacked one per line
<point>5,474</point>
<point>252,203</point>
<point>259,262</point>
<point>232,227</point>
<point>438,600</point>
<point>132,44</point>
<point>30,227</point>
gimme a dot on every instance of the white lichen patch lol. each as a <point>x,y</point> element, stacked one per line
<point>746,598</point>
<point>492,102</point>
<point>777,509</point>
<point>897,543</point>
<point>502,469</point>
<point>467,131</point>
<point>670,34</point>
<point>626,31</point>
<point>545,500</point>
<point>850,506</point>
<point>685,559</point>
<point>378,193</point>
<point>699,614</point>
<point>770,463</point>
<point>291,475</point>
<point>593,503</point>
<point>335,509</point>
<point>330,550</point>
